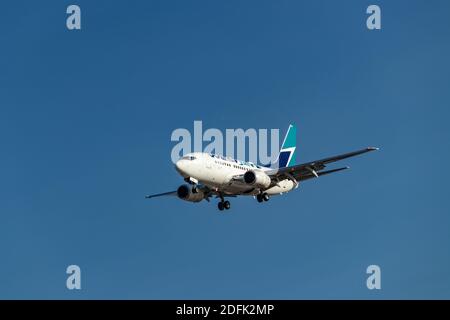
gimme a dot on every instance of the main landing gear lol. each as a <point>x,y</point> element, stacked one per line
<point>262,197</point>
<point>224,205</point>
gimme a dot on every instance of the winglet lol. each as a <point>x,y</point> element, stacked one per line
<point>372,148</point>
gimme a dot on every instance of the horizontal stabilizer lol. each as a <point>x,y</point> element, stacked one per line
<point>170,193</point>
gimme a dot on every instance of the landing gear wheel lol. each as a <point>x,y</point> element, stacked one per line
<point>227,205</point>
<point>259,198</point>
<point>265,197</point>
<point>220,206</point>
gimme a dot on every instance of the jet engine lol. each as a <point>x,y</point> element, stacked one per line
<point>257,178</point>
<point>185,192</point>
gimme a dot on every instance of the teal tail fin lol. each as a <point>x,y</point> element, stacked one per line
<point>287,154</point>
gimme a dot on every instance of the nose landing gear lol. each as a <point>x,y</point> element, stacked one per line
<point>224,205</point>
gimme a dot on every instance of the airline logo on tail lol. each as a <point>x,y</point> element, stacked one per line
<point>287,154</point>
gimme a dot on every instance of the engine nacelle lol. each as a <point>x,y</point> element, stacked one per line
<point>257,178</point>
<point>184,192</point>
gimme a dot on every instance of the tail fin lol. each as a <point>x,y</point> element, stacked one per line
<point>287,154</point>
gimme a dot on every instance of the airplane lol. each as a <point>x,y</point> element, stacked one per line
<point>210,175</point>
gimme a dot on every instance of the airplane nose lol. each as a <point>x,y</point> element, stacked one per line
<point>179,165</point>
<point>183,167</point>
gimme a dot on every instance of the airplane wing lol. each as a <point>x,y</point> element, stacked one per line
<point>312,169</point>
<point>170,193</point>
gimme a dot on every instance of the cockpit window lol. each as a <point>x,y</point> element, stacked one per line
<point>188,158</point>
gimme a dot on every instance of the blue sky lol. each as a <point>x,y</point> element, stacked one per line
<point>85,124</point>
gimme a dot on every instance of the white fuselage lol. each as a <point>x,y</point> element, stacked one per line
<point>219,173</point>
